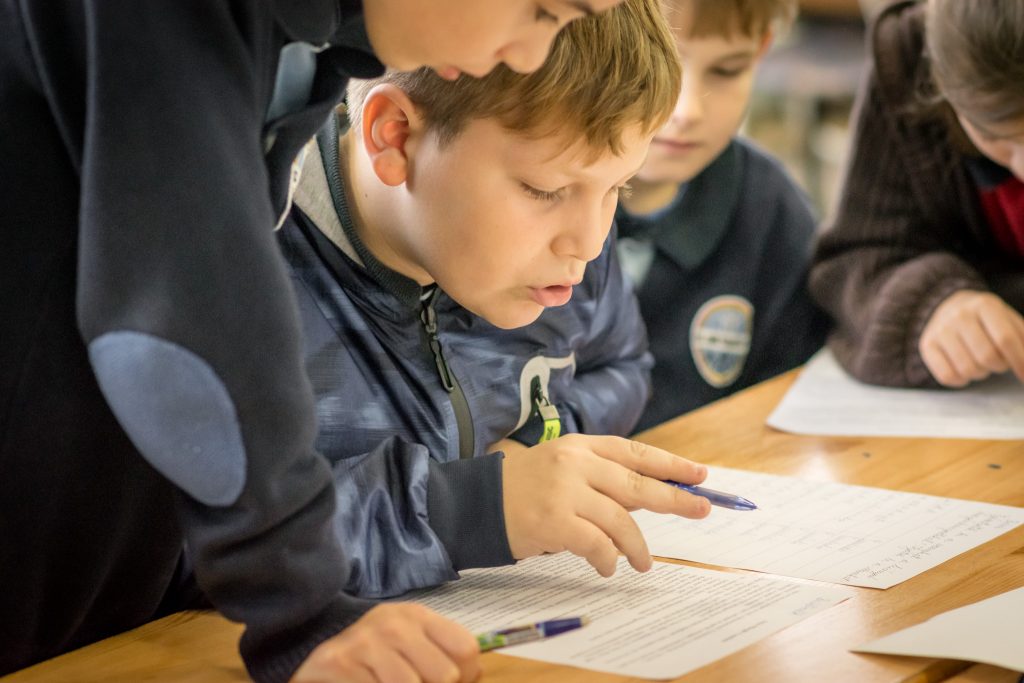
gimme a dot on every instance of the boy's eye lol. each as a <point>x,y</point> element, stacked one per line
<point>729,71</point>
<point>544,15</point>
<point>541,195</point>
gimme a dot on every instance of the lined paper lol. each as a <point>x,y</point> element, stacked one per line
<point>660,624</point>
<point>827,531</point>
<point>824,400</point>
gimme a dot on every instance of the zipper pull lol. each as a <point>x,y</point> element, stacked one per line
<point>429,320</point>
<point>547,411</point>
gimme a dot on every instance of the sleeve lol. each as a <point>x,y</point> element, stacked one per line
<point>1008,283</point>
<point>185,307</point>
<point>882,267</point>
<point>409,522</point>
<point>613,378</point>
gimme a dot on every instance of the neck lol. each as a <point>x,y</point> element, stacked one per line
<point>648,197</point>
<point>376,215</point>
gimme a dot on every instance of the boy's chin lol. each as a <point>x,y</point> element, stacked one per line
<point>511,318</point>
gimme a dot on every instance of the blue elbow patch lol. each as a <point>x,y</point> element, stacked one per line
<point>175,410</point>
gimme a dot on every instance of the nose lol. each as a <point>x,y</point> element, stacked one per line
<point>528,51</point>
<point>689,108</point>
<point>584,235</point>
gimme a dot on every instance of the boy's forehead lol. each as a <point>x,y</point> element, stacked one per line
<point>570,154</point>
<point>692,20</point>
<point>716,44</point>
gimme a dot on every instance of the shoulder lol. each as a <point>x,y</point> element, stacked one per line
<point>759,164</point>
<point>766,181</point>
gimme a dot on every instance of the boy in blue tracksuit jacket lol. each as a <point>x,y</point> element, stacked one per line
<point>483,304</point>
<point>716,236</point>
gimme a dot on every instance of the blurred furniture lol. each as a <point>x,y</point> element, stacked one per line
<point>808,81</point>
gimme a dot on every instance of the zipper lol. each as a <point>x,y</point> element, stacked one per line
<point>463,419</point>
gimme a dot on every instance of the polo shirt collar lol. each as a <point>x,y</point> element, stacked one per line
<point>690,229</point>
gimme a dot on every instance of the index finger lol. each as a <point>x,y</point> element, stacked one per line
<point>1007,332</point>
<point>649,460</point>
<point>456,642</point>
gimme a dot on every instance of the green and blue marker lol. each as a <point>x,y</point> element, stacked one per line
<point>492,640</point>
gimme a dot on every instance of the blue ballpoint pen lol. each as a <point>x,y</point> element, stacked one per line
<point>722,500</point>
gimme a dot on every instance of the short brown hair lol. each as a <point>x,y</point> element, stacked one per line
<point>605,73</point>
<point>976,51</point>
<point>751,18</point>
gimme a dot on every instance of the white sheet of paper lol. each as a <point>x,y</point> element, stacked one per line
<point>827,531</point>
<point>990,631</point>
<point>660,624</point>
<point>824,400</point>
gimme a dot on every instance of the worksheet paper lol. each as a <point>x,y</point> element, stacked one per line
<point>827,531</point>
<point>990,631</point>
<point>824,400</point>
<point>660,624</point>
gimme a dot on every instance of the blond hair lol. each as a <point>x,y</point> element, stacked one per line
<point>729,18</point>
<point>606,73</point>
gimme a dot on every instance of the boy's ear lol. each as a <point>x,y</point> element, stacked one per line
<point>388,119</point>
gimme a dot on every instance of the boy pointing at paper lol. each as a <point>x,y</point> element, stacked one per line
<point>451,247</point>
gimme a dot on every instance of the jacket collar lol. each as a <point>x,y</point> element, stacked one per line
<point>315,21</point>
<point>321,196</point>
<point>690,229</point>
<point>334,26</point>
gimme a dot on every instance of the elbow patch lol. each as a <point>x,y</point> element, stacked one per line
<point>175,410</point>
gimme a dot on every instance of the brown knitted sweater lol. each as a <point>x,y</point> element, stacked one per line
<point>909,230</point>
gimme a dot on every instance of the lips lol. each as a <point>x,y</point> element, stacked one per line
<point>556,295</point>
<point>676,145</point>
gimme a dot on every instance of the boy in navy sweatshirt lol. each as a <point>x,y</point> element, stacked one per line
<point>715,235</point>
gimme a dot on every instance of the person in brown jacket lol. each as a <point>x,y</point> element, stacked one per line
<point>923,265</point>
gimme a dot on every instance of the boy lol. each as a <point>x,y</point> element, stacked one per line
<point>146,155</point>
<point>441,251</point>
<point>715,235</point>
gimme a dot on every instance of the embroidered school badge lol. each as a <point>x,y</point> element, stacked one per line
<point>720,338</point>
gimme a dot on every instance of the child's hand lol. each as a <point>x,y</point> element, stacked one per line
<point>395,642</point>
<point>970,336</point>
<point>574,493</point>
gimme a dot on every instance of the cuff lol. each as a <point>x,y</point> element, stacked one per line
<point>274,658</point>
<point>465,509</point>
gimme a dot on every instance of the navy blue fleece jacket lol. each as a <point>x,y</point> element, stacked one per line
<point>152,392</point>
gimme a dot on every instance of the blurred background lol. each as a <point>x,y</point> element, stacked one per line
<point>804,91</point>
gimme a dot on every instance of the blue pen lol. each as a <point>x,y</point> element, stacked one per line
<point>516,635</point>
<point>722,500</point>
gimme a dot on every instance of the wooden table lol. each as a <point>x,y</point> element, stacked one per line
<point>202,646</point>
